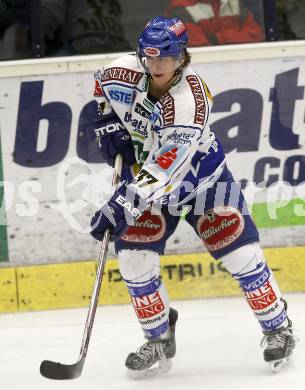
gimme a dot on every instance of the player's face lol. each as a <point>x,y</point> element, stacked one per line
<point>162,69</point>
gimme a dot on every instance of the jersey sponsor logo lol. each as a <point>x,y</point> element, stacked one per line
<point>121,95</point>
<point>140,153</point>
<point>178,28</point>
<point>181,138</point>
<point>166,159</point>
<point>97,90</point>
<point>148,104</point>
<point>147,228</point>
<point>145,83</point>
<point>168,109</point>
<point>137,125</point>
<point>128,206</point>
<point>142,111</point>
<point>152,51</point>
<point>199,99</point>
<point>122,74</point>
<point>148,305</point>
<point>261,298</point>
<point>108,129</point>
<point>220,227</point>
<point>144,178</point>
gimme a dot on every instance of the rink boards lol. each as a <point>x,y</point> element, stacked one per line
<point>54,180</point>
<point>52,171</point>
<point>186,276</point>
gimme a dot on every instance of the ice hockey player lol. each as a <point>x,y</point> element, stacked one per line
<point>154,111</point>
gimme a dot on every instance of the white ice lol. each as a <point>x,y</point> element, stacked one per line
<point>217,348</point>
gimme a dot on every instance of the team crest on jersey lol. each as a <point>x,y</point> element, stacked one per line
<point>148,228</point>
<point>152,51</point>
<point>220,227</point>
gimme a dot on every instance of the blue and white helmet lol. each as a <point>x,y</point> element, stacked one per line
<point>163,37</point>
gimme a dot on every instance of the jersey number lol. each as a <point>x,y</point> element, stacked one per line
<point>145,177</point>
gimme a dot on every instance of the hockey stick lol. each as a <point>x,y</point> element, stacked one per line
<point>53,370</point>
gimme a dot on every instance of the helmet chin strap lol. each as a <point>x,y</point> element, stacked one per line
<point>178,72</point>
<point>176,75</point>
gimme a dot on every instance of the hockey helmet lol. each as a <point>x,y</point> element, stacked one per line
<point>163,37</point>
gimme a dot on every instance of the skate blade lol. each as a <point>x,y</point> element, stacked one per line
<point>163,367</point>
<point>278,365</point>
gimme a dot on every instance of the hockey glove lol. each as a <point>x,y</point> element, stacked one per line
<point>114,139</point>
<point>117,214</point>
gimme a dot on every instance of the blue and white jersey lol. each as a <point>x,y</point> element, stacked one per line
<point>176,151</point>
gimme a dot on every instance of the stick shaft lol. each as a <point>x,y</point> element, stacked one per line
<point>100,270</point>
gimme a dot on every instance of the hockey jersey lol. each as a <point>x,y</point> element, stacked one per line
<point>176,151</point>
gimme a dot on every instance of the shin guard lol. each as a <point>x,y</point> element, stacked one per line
<point>141,273</point>
<point>248,266</point>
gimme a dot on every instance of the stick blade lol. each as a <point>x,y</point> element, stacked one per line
<point>53,370</point>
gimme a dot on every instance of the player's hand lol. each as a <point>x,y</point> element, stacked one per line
<point>117,214</point>
<point>114,139</point>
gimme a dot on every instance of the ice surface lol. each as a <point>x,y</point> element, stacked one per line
<point>217,348</point>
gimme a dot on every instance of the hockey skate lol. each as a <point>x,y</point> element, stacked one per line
<point>278,346</point>
<point>139,364</point>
